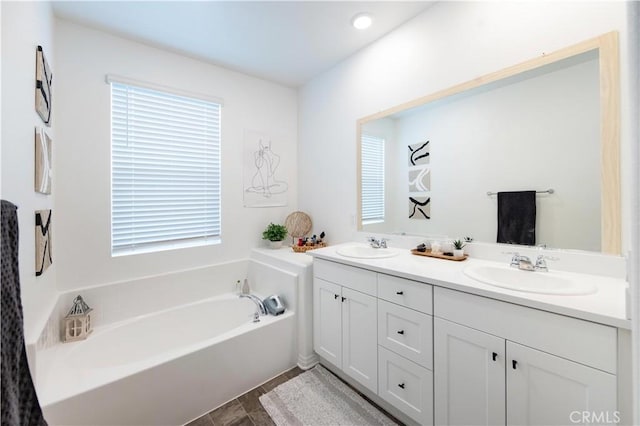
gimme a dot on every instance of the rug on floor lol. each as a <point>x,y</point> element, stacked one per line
<point>317,397</point>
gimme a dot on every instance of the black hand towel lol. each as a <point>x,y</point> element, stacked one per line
<point>20,405</point>
<point>517,217</point>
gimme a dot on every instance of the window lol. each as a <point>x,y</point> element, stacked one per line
<point>165,170</point>
<point>372,179</point>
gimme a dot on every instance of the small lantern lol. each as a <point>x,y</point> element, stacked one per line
<point>78,321</point>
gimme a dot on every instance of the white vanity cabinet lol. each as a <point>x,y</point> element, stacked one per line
<point>487,373</point>
<point>469,376</point>
<point>378,330</point>
<point>543,389</point>
<point>344,320</point>
<point>405,339</point>
<point>455,358</point>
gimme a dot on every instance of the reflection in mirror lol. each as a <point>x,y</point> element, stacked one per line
<point>438,166</point>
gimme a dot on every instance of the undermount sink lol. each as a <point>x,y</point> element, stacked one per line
<point>527,281</point>
<point>366,252</point>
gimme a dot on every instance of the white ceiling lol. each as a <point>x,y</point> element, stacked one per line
<point>285,42</point>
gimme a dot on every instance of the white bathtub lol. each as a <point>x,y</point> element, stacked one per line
<point>166,367</point>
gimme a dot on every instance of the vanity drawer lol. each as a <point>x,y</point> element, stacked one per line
<point>406,386</point>
<point>578,340</point>
<point>348,276</point>
<point>406,332</point>
<point>411,294</point>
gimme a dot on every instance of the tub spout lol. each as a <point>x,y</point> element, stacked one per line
<point>257,301</point>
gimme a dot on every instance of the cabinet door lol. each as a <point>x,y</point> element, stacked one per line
<point>360,338</point>
<point>544,389</point>
<point>327,322</point>
<point>469,376</point>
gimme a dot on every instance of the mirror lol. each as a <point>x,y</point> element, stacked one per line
<point>433,167</point>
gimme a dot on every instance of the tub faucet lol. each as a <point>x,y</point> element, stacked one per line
<point>257,301</point>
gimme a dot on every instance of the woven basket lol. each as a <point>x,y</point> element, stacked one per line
<point>303,249</point>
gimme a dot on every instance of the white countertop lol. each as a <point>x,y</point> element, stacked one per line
<point>606,306</point>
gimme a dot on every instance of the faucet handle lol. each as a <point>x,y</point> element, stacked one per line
<point>383,242</point>
<point>515,259</point>
<point>541,264</point>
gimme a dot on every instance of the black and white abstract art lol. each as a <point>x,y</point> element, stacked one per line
<point>419,179</point>
<point>265,177</point>
<point>42,183</point>
<point>419,207</point>
<point>43,241</point>
<point>419,154</point>
<point>44,80</point>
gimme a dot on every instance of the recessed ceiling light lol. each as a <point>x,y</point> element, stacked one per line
<point>362,21</point>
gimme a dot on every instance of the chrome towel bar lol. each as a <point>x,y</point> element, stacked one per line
<point>547,191</point>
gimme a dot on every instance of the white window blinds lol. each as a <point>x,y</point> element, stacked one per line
<point>372,179</point>
<point>165,170</point>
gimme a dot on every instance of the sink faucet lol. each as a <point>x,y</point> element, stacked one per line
<point>377,243</point>
<point>257,301</point>
<point>525,264</point>
<point>521,262</point>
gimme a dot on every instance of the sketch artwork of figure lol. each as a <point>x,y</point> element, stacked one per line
<point>264,180</point>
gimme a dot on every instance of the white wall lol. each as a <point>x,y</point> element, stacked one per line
<point>449,43</point>
<point>25,25</point>
<point>82,169</point>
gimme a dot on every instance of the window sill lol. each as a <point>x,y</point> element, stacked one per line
<point>152,248</point>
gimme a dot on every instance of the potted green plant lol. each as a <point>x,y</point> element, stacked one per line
<point>275,235</point>
<point>458,247</point>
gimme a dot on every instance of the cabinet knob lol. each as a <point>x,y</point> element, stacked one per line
<point>399,293</point>
<point>494,356</point>
<point>400,331</point>
<point>335,296</point>
<point>401,385</point>
<point>344,298</point>
<point>514,363</point>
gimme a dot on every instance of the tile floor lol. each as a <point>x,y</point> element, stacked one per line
<point>246,410</point>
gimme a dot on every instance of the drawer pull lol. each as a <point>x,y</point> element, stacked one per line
<point>344,298</point>
<point>399,293</point>
<point>400,331</point>
<point>401,385</point>
<point>494,356</point>
<point>335,296</point>
<point>514,363</point>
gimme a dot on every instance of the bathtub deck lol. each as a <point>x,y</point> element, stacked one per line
<point>246,410</point>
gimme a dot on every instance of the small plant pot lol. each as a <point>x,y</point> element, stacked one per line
<point>275,244</point>
<point>458,253</point>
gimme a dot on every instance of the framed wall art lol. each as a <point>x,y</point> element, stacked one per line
<point>43,241</point>
<point>42,183</point>
<point>43,87</point>
<point>265,178</point>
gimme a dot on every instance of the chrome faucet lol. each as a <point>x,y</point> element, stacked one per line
<point>257,301</point>
<point>377,243</point>
<point>524,262</point>
<point>521,262</point>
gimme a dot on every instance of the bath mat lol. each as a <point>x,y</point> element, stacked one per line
<point>316,397</point>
